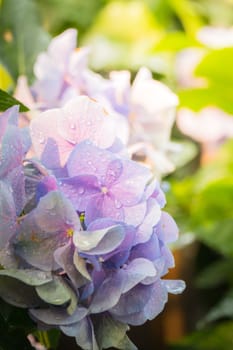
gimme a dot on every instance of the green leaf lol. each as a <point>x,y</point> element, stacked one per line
<point>211,338</point>
<point>49,339</point>
<point>214,201</point>
<point>175,41</point>
<point>188,15</point>
<point>218,236</point>
<point>213,95</point>
<point>70,13</point>
<point>216,66</point>
<point>215,274</point>
<point>7,101</point>
<point>21,36</point>
<point>28,276</point>
<point>223,309</point>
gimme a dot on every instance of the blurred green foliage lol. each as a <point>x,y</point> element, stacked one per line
<point>21,36</point>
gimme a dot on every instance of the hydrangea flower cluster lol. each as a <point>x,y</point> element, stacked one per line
<point>83,237</point>
<point>145,108</point>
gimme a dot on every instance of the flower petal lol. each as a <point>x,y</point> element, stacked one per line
<point>85,119</point>
<point>7,214</point>
<point>112,287</point>
<point>100,241</point>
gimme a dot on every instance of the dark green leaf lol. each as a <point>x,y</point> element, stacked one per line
<point>223,309</point>
<point>7,101</point>
<point>215,274</point>
<point>218,236</point>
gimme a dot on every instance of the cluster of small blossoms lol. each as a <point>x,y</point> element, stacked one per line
<point>145,108</point>
<point>83,237</point>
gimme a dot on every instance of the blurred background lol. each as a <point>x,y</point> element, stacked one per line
<point>188,45</point>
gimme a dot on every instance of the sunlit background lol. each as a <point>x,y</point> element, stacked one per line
<point>187,44</point>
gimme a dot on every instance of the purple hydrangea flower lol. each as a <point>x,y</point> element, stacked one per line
<point>12,192</point>
<point>102,184</point>
<point>118,243</point>
<point>58,71</point>
<point>86,244</point>
<point>145,109</point>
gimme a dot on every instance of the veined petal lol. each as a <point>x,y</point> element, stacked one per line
<point>47,142</point>
<point>85,119</point>
<point>111,287</point>
<point>138,270</point>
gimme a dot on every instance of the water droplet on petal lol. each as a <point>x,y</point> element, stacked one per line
<point>118,204</point>
<point>41,139</point>
<point>81,190</point>
<point>72,126</point>
<point>174,286</point>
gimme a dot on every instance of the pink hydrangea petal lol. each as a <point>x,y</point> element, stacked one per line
<point>47,142</point>
<point>135,214</point>
<point>169,228</point>
<point>62,46</point>
<point>85,119</point>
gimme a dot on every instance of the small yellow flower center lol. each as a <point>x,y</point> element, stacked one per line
<point>70,232</point>
<point>104,189</point>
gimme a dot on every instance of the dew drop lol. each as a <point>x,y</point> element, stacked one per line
<point>118,204</point>
<point>41,139</point>
<point>175,286</point>
<point>72,126</point>
<point>81,190</point>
